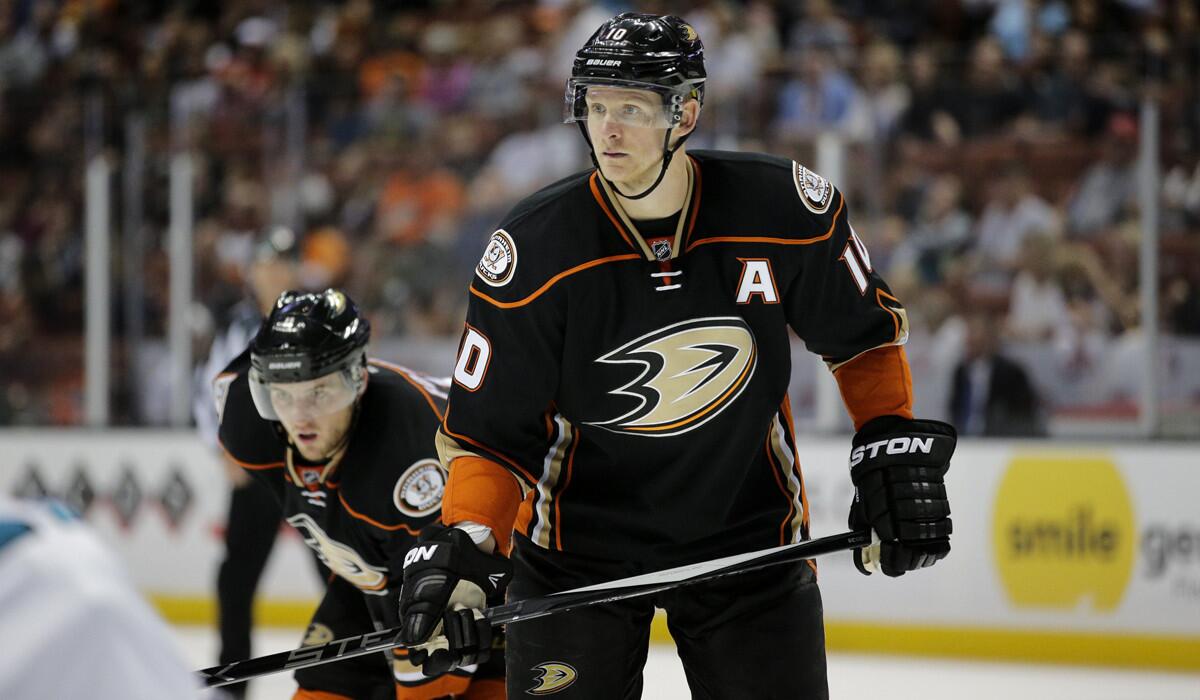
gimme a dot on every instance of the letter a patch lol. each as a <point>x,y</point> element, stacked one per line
<point>757,278</point>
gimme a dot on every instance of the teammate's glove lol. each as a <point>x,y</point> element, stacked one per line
<point>447,578</point>
<point>898,467</point>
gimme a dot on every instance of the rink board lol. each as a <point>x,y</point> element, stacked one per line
<point>1082,553</point>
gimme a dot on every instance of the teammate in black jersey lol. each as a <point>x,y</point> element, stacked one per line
<point>620,395</point>
<point>347,447</point>
<point>254,517</point>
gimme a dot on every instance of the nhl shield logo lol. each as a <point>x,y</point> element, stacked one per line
<point>661,249</point>
<point>814,190</point>
<point>499,260</point>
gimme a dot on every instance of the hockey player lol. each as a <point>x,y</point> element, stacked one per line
<point>64,592</point>
<point>347,447</point>
<point>620,396</point>
<point>253,519</point>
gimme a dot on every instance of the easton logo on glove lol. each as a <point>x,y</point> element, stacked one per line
<point>895,446</point>
<point>419,553</point>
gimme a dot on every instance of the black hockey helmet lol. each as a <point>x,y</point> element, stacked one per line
<point>308,336</point>
<point>659,53</point>
<point>652,52</point>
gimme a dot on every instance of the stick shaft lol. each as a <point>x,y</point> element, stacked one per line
<point>621,589</point>
<point>673,578</point>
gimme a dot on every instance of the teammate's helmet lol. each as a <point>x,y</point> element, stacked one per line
<point>661,53</point>
<point>306,337</point>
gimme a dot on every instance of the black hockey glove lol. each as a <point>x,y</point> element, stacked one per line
<point>447,578</point>
<point>898,467</point>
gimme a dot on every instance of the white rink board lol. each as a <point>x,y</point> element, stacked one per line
<point>1132,497</point>
<point>1053,585</point>
<point>169,552</point>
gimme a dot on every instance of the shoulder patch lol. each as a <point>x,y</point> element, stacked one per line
<point>814,190</point>
<point>499,260</point>
<point>419,490</point>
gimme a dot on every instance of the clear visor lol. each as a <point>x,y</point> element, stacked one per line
<point>629,102</point>
<point>291,402</point>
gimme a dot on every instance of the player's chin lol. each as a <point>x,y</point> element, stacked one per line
<point>622,179</point>
<point>612,173</point>
<point>309,444</point>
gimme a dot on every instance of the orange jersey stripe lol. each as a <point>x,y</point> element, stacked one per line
<point>768,239</point>
<point>791,429</point>
<point>880,295</point>
<point>777,473</point>
<point>366,519</point>
<point>557,498</point>
<point>416,385</point>
<point>552,281</point>
<point>593,183</point>
<point>525,513</point>
<point>695,201</point>
<point>507,460</point>
<point>248,465</point>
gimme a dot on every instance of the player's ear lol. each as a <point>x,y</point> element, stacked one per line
<point>691,115</point>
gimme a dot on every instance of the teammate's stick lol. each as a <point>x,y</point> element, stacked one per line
<point>645,584</point>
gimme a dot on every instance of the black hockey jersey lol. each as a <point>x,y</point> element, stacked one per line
<point>638,388</point>
<point>362,512</point>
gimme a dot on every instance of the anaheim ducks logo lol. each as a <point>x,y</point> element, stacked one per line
<point>342,560</point>
<point>553,677</point>
<point>689,34</point>
<point>316,635</point>
<point>691,371</point>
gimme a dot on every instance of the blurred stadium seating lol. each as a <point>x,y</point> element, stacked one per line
<point>990,158</point>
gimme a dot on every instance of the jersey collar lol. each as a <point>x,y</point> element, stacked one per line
<point>330,466</point>
<point>627,229</point>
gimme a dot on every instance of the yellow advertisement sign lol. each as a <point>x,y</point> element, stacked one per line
<point>1063,532</point>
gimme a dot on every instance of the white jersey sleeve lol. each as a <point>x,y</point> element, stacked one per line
<point>73,625</point>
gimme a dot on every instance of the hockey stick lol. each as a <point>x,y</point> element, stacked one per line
<point>645,584</point>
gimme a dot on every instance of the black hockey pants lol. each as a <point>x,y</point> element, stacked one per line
<point>757,635</point>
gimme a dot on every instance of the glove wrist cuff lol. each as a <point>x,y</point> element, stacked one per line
<point>478,532</point>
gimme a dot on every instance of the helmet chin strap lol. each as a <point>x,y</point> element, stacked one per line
<point>668,153</point>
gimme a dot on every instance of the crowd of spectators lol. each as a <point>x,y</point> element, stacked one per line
<point>991,157</point>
